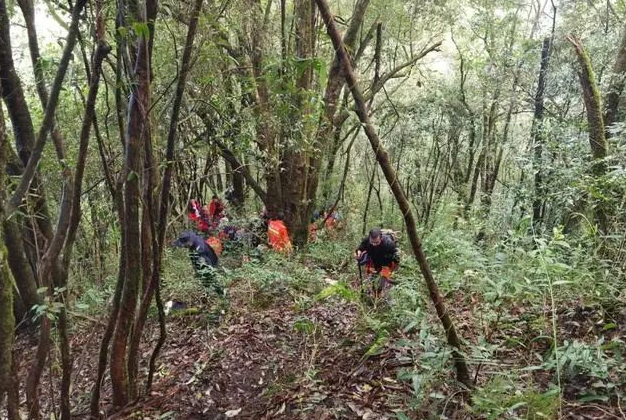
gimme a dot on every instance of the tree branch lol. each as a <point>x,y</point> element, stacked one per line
<point>377,86</point>
<point>48,119</point>
<point>236,165</point>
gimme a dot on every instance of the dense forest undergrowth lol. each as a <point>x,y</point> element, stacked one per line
<point>295,339</point>
<point>489,135</point>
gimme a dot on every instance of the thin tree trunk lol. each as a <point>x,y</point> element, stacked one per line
<point>474,187</point>
<point>13,394</point>
<point>338,140</point>
<point>28,11</point>
<point>32,381</point>
<point>595,122</point>
<point>230,157</point>
<point>368,200</point>
<point>20,267</point>
<point>48,117</point>
<point>391,176</point>
<point>114,312</point>
<point>219,184</point>
<point>328,127</point>
<point>138,122</point>
<point>616,87</point>
<point>159,241</point>
<point>118,201</point>
<point>24,141</point>
<point>7,321</point>
<point>49,263</point>
<point>73,216</point>
<point>538,134</point>
<point>16,101</point>
<point>238,184</point>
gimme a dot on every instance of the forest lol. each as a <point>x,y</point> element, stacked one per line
<point>313,209</point>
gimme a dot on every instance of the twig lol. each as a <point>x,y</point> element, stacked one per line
<point>619,406</point>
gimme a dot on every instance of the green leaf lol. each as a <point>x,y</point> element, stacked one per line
<point>590,398</point>
<point>141,29</point>
<point>518,405</point>
<point>609,326</point>
<point>560,282</point>
<point>123,31</point>
<point>416,381</point>
<point>411,326</point>
<point>531,368</point>
<point>321,69</point>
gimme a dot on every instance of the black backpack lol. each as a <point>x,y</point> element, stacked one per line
<point>391,234</point>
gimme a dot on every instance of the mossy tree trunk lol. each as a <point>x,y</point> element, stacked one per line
<point>7,321</point>
<point>595,124</point>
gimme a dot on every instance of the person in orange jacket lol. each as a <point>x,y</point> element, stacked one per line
<point>198,216</point>
<point>278,235</point>
<point>216,210</point>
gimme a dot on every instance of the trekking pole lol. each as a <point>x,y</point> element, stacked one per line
<point>358,264</point>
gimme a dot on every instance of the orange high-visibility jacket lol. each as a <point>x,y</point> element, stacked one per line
<point>215,243</point>
<point>278,236</point>
<point>312,231</point>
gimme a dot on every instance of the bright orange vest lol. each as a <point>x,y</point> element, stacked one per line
<point>215,243</point>
<point>278,236</point>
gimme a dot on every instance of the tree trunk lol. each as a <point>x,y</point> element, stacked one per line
<point>474,186</point>
<point>157,243</point>
<point>230,157</point>
<point>31,149</point>
<point>329,129</point>
<point>30,169</point>
<point>13,394</point>
<point>118,201</point>
<point>538,134</point>
<point>616,87</point>
<point>69,219</point>
<point>219,184</point>
<point>159,215</point>
<point>392,179</point>
<point>595,122</point>
<point>368,201</point>
<point>113,313</point>
<point>7,321</point>
<point>139,104</point>
<point>20,267</point>
<point>295,163</point>
<point>24,141</point>
<point>16,101</point>
<point>238,185</point>
<point>28,11</point>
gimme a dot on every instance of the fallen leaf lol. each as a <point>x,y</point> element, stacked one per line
<point>232,413</point>
<point>281,410</point>
<point>356,409</point>
<point>369,415</point>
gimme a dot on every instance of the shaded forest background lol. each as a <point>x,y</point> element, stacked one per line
<point>500,123</point>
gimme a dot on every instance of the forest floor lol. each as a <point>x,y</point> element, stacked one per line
<point>303,345</point>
